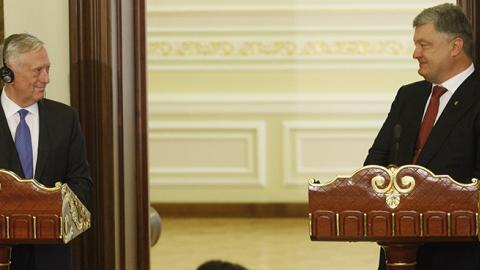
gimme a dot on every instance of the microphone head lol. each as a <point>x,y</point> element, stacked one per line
<point>397,131</point>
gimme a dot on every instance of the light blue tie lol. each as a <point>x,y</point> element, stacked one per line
<point>23,142</point>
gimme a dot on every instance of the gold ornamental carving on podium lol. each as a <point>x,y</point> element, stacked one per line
<point>75,216</point>
<point>394,189</point>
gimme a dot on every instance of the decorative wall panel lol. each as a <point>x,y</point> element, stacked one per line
<point>207,152</point>
<point>325,149</point>
<point>281,35</point>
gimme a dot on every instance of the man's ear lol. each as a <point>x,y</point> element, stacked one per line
<point>457,46</point>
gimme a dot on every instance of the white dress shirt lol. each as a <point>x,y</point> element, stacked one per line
<point>451,85</point>
<point>13,118</point>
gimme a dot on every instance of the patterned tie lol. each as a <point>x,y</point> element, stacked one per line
<point>428,120</point>
<point>23,142</point>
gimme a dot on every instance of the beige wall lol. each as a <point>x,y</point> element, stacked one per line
<point>248,100</point>
<point>48,20</point>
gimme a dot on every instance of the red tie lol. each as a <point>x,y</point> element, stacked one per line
<point>428,120</point>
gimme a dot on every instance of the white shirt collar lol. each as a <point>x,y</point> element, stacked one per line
<point>10,107</point>
<point>453,83</point>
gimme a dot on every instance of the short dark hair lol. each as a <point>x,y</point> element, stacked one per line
<point>449,19</point>
<point>220,265</point>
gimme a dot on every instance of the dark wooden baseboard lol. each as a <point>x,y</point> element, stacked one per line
<point>266,210</point>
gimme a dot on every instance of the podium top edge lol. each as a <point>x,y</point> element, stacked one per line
<point>57,186</point>
<point>392,171</point>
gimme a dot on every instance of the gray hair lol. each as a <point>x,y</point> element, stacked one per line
<point>449,19</point>
<point>18,44</point>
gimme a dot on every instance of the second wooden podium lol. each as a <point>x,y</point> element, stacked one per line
<point>399,208</point>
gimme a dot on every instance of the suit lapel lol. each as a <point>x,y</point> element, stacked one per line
<point>456,107</point>
<point>43,141</point>
<point>8,158</point>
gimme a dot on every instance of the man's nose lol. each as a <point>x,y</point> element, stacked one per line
<point>45,76</point>
<point>416,53</point>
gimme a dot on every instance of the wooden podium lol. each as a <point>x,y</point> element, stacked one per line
<point>31,213</point>
<point>399,208</point>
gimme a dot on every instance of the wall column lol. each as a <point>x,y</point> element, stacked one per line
<point>108,87</point>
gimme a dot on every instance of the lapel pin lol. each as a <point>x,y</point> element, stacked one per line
<point>456,103</point>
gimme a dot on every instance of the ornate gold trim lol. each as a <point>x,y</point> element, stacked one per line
<point>8,227</point>
<point>392,172</point>
<point>449,224</point>
<point>6,264</point>
<point>393,190</point>
<point>225,49</point>
<point>34,224</point>
<point>402,264</point>
<point>477,214</point>
<point>310,223</point>
<point>61,228</point>
<point>35,182</point>
<point>337,221</point>
<point>393,224</point>
<point>421,224</point>
<point>392,199</point>
<point>476,225</point>
<point>395,187</point>
<point>365,224</point>
<point>76,217</point>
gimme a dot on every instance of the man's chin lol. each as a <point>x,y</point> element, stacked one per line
<point>40,96</point>
<point>423,73</point>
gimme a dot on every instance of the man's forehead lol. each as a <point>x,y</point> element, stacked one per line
<point>427,27</point>
<point>34,57</point>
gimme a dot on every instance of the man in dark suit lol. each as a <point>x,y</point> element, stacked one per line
<point>56,147</point>
<point>443,49</point>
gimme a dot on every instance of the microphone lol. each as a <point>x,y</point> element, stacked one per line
<point>397,132</point>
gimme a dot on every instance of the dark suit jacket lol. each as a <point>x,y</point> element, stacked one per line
<point>452,148</point>
<point>61,157</point>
